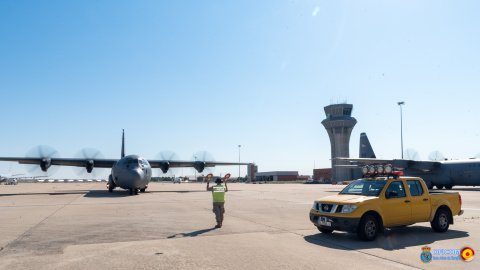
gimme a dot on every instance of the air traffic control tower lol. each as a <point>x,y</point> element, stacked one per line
<point>339,124</point>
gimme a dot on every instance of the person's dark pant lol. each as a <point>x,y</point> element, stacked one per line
<point>219,209</point>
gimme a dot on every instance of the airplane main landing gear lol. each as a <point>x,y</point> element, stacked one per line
<point>110,187</point>
<point>142,190</point>
<point>134,191</point>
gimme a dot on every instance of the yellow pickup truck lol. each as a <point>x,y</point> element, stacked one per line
<point>368,206</point>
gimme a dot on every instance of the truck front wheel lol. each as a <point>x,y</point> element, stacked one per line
<point>440,221</point>
<point>368,228</point>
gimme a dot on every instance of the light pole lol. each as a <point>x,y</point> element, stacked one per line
<point>401,124</point>
<point>239,161</point>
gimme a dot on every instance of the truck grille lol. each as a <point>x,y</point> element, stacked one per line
<point>326,208</point>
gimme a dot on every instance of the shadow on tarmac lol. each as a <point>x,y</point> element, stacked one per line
<point>104,193</point>
<point>73,192</point>
<point>392,239</point>
<point>126,193</point>
<point>177,191</point>
<point>183,191</point>
<point>192,234</point>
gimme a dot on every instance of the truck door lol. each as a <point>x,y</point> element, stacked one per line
<point>420,200</point>
<point>397,209</point>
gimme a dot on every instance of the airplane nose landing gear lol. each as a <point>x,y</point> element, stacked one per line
<point>134,191</point>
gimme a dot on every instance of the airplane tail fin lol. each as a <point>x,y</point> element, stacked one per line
<point>366,150</point>
<point>123,143</point>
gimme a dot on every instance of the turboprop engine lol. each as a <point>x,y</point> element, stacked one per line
<point>45,163</point>
<point>164,166</point>
<point>89,164</point>
<point>199,166</point>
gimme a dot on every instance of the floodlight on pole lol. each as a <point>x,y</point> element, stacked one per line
<point>401,124</point>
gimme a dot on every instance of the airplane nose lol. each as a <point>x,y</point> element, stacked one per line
<point>136,177</point>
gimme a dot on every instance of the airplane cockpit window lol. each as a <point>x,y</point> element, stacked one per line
<point>135,161</point>
<point>129,161</point>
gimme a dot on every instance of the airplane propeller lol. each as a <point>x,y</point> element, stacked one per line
<point>87,154</point>
<point>411,154</point>
<point>204,156</point>
<point>167,155</point>
<point>436,156</point>
<point>46,153</point>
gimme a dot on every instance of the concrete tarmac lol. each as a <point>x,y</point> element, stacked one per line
<point>171,226</point>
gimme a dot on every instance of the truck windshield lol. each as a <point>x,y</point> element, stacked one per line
<point>365,187</point>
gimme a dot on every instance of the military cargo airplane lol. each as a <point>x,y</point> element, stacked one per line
<point>130,172</point>
<point>442,173</point>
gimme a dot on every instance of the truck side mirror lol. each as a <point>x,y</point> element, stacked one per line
<point>392,194</point>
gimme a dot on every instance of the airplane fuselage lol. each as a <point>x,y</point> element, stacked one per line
<point>451,173</point>
<point>442,173</point>
<point>131,172</point>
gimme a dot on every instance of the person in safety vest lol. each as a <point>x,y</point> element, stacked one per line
<point>218,193</point>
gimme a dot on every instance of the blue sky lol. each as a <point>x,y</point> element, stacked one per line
<point>186,76</point>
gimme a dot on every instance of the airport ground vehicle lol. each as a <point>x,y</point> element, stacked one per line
<point>369,205</point>
<point>313,182</point>
<point>11,181</point>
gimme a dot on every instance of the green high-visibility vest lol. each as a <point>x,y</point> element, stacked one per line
<point>218,193</point>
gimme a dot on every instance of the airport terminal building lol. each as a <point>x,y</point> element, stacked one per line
<point>322,174</point>
<point>277,176</point>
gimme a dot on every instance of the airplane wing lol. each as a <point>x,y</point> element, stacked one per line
<point>78,162</point>
<point>164,165</point>
<point>109,163</point>
<point>401,164</point>
<point>366,161</point>
<point>180,163</point>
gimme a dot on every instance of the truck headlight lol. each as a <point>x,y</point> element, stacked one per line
<point>314,204</point>
<point>348,208</point>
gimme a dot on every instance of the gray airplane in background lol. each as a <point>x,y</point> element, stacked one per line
<point>442,173</point>
<point>9,178</point>
<point>131,172</point>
